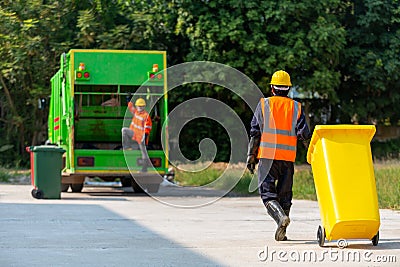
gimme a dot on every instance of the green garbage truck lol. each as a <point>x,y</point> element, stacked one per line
<point>88,108</point>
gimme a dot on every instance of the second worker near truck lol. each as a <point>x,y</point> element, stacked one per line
<point>138,130</point>
<point>277,123</point>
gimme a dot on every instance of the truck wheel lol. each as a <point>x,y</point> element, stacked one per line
<point>136,187</point>
<point>76,188</point>
<point>64,187</point>
<point>126,181</point>
<point>152,188</point>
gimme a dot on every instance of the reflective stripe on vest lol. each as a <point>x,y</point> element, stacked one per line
<point>278,139</point>
<point>139,127</point>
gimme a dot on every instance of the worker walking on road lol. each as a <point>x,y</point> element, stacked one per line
<point>138,130</point>
<point>276,125</point>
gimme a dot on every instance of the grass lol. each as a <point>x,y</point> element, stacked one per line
<point>5,175</point>
<point>197,175</point>
<point>303,185</point>
<point>12,175</point>
<point>388,187</point>
<point>387,177</point>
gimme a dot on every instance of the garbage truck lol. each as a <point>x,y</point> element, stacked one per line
<point>88,108</point>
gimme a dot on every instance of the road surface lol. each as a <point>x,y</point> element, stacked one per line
<point>115,227</point>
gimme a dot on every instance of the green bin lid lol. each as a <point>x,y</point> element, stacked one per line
<point>47,149</point>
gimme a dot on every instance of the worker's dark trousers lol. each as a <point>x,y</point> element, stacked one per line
<point>275,179</point>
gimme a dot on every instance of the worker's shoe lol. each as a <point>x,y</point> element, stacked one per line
<point>282,220</point>
<point>287,214</point>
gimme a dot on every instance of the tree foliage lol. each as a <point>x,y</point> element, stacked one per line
<point>259,37</point>
<point>370,63</point>
<point>344,51</point>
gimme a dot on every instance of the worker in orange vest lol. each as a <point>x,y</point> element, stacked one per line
<point>138,130</point>
<point>276,125</point>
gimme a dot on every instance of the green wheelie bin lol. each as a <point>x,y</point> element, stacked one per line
<point>46,167</point>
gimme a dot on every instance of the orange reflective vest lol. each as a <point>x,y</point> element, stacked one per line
<point>140,125</point>
<point>278,137</point>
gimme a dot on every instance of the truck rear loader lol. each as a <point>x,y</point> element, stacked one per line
<point>88,108</point>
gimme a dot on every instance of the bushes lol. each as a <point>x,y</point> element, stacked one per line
<point>386,150</point>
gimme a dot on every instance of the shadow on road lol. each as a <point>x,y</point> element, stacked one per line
<point>84,235</point>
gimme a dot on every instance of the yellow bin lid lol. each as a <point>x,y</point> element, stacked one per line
<point>321,131</point>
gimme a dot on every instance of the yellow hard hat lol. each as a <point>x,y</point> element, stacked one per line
<point>281,77</point>
<point>140,102</point>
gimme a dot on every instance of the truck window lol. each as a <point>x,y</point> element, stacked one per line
<point>100,115</point>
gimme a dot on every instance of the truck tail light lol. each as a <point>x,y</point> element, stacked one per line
<point>85,161</point>
<point>156,162</point>
<point>154,75</point>
<point>155,67</point>
<point>81,66</point>
<point>82,73</point>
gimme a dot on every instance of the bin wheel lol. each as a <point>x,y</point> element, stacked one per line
<point>64,187</point>
<point>321,236</point>
<point>375,239</point>
<point>76,188</point>
<point>36,193</point>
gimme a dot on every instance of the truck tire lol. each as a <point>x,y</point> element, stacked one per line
<point>126,181</point>
<point>64,187</point>
<point>76,188</point>
<point>136,187</point>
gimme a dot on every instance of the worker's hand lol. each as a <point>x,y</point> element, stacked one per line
<point>252,160</point>
<point>251,163</point>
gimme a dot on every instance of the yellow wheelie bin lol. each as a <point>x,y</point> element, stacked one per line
<point>341,162</point>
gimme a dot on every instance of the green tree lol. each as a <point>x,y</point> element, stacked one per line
<point>346,51</point>
<point>20,66</point>
<point>33,36</point>
<point>370,62</point>
<point>259,37</point>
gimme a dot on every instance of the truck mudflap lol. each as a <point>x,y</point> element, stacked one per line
<point>148,182</point>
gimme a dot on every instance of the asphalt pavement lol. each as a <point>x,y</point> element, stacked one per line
<point>105,226</point>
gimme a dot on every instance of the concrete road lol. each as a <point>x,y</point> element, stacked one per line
<point>113,227</point>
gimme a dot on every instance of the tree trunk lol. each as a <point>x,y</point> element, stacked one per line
<point>8,95</point>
